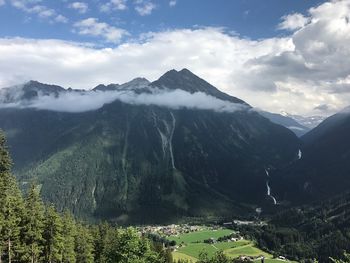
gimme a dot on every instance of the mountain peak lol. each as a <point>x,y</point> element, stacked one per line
<point>173,73</point>
<point>185,71</point>
<point>188,81</point>
<point>32,82</point>
<point>137,82</point>
<point>102,87</point>
<point>29,91</point>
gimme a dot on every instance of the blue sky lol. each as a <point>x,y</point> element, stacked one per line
<point>248,18</point>
<point>278,55</point>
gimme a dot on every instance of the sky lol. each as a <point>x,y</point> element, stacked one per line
<point>289,55</point>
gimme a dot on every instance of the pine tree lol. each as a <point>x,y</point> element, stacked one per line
<point>53,239</point>
<point>99,234</point>
<point>84,245</point>
<point>11,208</point>
<point>33,226</point>
<point>126,246</point>
<point>5,166</point>
<point>69,235</point>
<point>5,160</point>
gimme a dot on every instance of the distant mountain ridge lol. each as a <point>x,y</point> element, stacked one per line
<point>307,121</point>
<point>137,83</point>
<point>287,122</point>
<point>28,91</point>
<point>171,81</point>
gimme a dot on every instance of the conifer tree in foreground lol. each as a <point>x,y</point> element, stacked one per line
<point>11,205</point>
<point>33,226</point>
<point>69,237</point>
<point>53,244</point>
<point>84,245</point>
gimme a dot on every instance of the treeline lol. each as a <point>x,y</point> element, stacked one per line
<point>304,234</point>
<point>32,232</point>
<point>219,257</point>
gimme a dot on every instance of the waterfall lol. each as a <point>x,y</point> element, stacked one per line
<point>171,140</point>
<point>300,154</point>
<point>267,173</point>
<point>269,193</point>
<point>94,203</point>
<point>167,137</point>
<point>164,141</point>
<point>268,188</point>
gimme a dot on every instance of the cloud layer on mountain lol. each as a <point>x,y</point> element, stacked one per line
<point>92,100</point>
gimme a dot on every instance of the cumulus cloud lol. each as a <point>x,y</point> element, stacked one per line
<point>172,3</point>
<point>81,7</point>
<point>144,8</point>
<point>92,27</point>
<point>295,73</point>
<point>92,100</point>
<point>208,52</point>
<point>293,22</point>
<point>35,7</point>
<point>316,68</point>
<point>114,5</point>
<point>61,19</point>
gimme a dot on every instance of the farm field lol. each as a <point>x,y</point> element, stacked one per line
<point>178,256</point>
<point>248,250</point>
<point>193,245</point>
<point>200,236</point>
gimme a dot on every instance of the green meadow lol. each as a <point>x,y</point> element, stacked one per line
<point>192,245</point>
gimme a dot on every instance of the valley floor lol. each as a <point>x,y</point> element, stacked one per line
<point>190,244</point>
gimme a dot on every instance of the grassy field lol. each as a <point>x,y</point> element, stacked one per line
<point>200,236</point>
<point>178,256</point>
<point>248,250</point>
<point>193,245</point>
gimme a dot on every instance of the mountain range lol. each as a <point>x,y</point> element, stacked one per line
<point>160,151</point>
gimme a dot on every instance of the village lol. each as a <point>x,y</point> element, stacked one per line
<point>189,241</point>
<point>173,229</point>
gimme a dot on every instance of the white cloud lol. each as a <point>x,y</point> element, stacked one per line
<point>114,5</point>
<point>92,27</point>
<point>2,2</point>
<point>61,19</point>
<point>293,22</point>
<point>81,7</point>
<point>296,73</point>
<point>86,101</point>
<point>144,8</point>
<point>172,3</point>
<point>42,11</point>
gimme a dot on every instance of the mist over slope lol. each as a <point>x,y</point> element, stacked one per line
<point>136,92</point>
